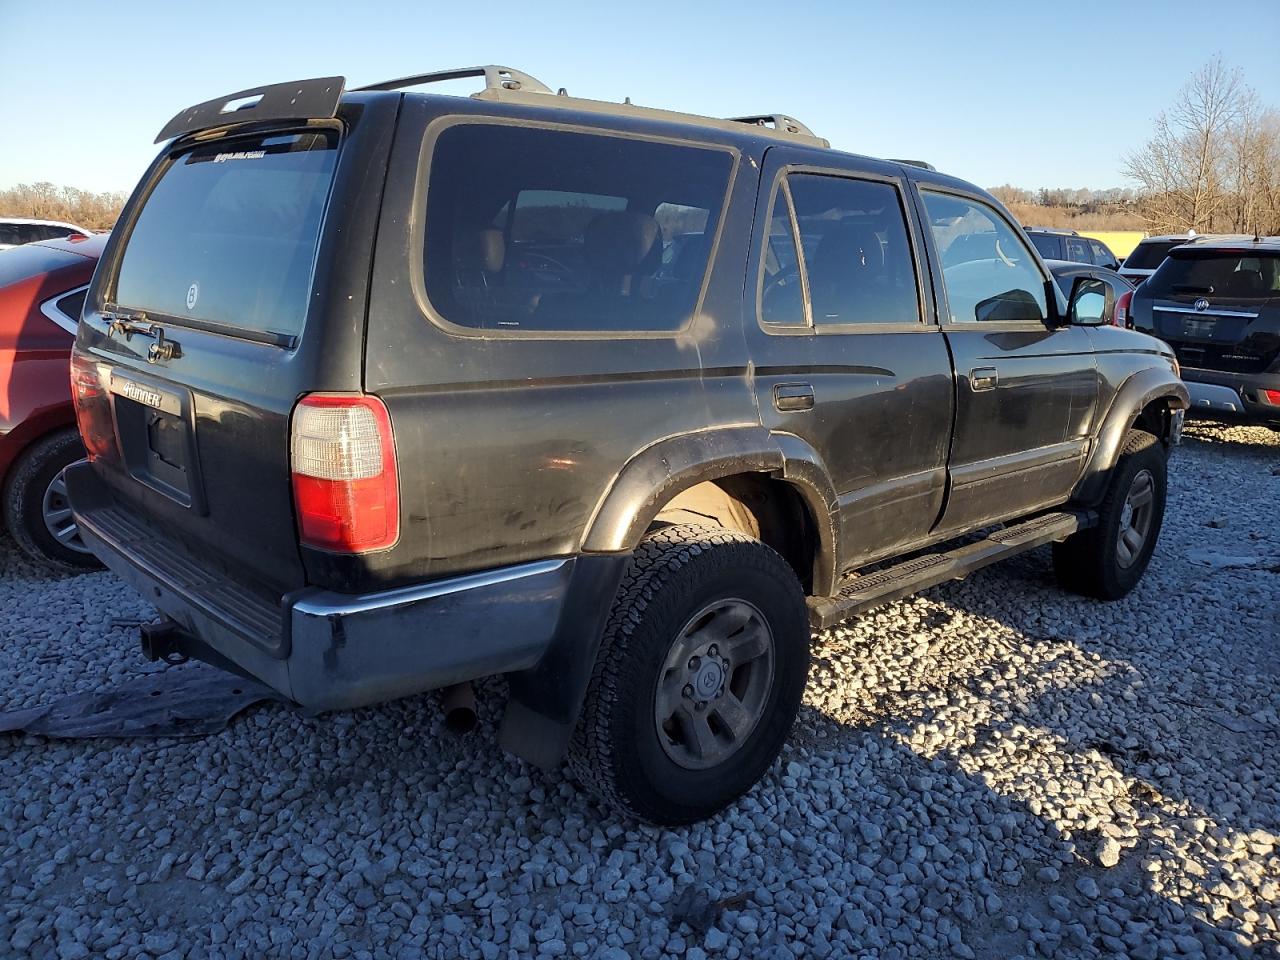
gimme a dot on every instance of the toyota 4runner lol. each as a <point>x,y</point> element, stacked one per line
<point>385,391</point>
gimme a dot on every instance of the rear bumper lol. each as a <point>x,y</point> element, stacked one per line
<point>1231,396</point>
<point>328,650</point>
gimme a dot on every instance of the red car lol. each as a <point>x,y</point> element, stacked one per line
<point>42,289</point>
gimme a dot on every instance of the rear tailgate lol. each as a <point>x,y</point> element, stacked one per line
<point>204,326</point>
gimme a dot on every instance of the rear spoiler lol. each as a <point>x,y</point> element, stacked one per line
<point>300,100</point>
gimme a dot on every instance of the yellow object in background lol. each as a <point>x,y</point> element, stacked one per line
<point>1120,242</point>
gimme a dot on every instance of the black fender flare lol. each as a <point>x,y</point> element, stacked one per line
<point>1134,395</point>
<point>545,700</point>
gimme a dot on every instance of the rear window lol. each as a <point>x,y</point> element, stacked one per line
<point>1237,275</point>
<point>531,229</point>
<point>229,234</point>
<point>1148,256</point>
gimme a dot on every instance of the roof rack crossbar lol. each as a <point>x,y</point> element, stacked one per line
<point>496,78</point>
<point>778,121</point>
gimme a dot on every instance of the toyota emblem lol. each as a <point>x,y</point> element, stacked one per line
<point>1201,305</point>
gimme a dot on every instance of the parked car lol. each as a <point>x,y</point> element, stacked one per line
<point>1217,303</point>
<point>1065,274</point>
<point>42,289</point>
<point>1069,245</point>
<point>15,231</point>
<point>372,408</point>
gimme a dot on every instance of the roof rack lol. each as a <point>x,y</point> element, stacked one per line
<point>916,163</point>
<point>496,79</point>
<point>776,121</point>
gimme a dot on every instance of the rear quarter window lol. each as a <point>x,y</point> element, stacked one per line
<point>531,229</point>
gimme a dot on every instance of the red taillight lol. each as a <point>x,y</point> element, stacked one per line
<point>93,412</point>
<point>1270,396</point>
<point>1121,317</point>
<point>343,462</point>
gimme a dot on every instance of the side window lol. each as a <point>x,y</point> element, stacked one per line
<point>1101,255</point>
<point>781,290</point>
<point>533,229</point>
<point>1050,246</point>
<point>1078,250</point>
<point>857,255</point>
<point>988,272</point>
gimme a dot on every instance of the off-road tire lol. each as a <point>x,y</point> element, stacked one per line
<point>675,572</point>
<point>1088,562</point>
<point>24,494</point>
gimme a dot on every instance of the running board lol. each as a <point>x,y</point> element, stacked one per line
<point>859,594</point>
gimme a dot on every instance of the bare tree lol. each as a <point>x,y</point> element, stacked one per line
<point>1181,168</point>
<point>45,201</point>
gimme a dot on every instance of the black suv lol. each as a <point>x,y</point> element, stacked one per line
<point>387,391</point>
<point>1217,303</point>
<point>1069,245</point>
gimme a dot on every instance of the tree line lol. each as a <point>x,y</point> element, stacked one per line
<point>46,201</point>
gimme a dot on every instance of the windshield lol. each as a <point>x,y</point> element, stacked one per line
<point>229,233</point>
<point>1238,275</point>
<point>1150,254</point>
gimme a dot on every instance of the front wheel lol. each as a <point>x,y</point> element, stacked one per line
<point>1107,560</point>
<point>699,676</point>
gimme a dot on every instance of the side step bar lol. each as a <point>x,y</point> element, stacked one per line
<point>859,594</point>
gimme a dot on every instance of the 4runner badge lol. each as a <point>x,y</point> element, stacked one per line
<point>140,394</point>
<point>193,294</point>
<point>1201,305</point>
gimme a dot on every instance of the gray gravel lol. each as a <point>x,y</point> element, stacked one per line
<point>993,769</point>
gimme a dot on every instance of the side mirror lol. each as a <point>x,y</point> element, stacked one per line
<point>1092,303</point>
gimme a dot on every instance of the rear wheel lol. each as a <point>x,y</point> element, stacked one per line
<point>698,679</point>
<point>36,509</point>
<point>1107,560</point>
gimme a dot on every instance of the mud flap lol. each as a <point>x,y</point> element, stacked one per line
<point>544,701</point>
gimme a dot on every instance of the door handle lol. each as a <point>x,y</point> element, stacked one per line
<point>983,378</point>
<point>793,396</point>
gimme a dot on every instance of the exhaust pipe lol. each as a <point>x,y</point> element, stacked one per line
<point>459,705</point>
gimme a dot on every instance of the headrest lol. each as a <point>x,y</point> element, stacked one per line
<point>847,246</point>
<point>692,258</point>
<point>481,250</point>
<point>617,243</point>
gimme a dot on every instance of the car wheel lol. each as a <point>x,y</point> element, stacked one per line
<point>36,509</point>
<point>698,678</point>
<point>1107,560</point>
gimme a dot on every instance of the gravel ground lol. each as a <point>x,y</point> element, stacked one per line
<point>992,769</point>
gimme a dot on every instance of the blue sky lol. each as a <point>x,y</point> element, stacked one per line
<point>1029,93</point>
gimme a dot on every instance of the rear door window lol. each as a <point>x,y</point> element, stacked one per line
<point>531,229</point>
<point>857,257</point>
<point>228,235</point>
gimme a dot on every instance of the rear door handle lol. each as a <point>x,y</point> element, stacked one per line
<point>793,396</point>
<point>983,378</point>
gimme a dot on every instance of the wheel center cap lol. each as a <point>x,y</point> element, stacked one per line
<point>708,679</point>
